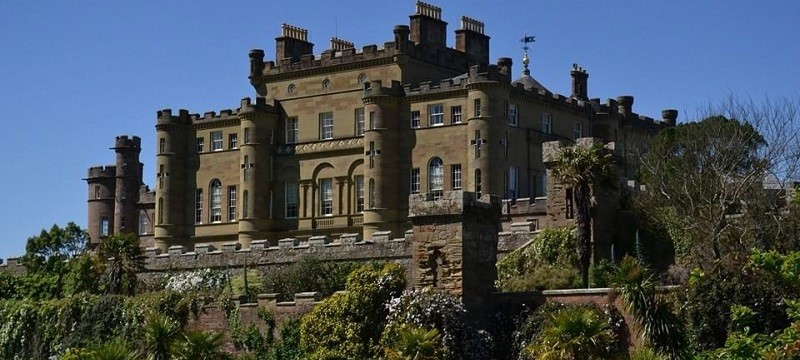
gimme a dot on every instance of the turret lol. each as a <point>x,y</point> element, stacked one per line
<point>173,135</point>
<point>382,158</point>
<point>401,42</point>
<point>486,130</point>
<point>427,27</point>
<point>471,40</point>
<point>670,116</point>
<point>101,181</point>
<point>625,105</point>
<point>580,83</point>
<point>128,181</point>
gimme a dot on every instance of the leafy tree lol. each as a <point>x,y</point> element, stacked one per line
<point>124,259</point>
<point>734,161</point>
<point>550,262</point>
<point>583,169</point>
<point>47,260</point>
<point>349,324</point>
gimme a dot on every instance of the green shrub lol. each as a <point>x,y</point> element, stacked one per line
<point>574,332</point>
<point>308,274</point>
<point>549,262</point>
<point>349,324</point>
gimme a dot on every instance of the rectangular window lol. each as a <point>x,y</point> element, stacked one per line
<point>97,191</point>
<point>372,193</point>
<point>144,223</point>
<point>455,114</point>
<point>291,130</point>
<point>216,140</point>
<point>478,182</point>
<point>161,176</point>
<point>547,123</point>
<point>200,143</point>
<point>162,145</point>
<point>247,139</point>
<point>325,197</point>
<point>513,182</point>
<point>231,203</point>
<point>512,114</point>
<point>455,171</point>
<point>104,226</point>
<point>198,206</point>
<point>233,141</point>
<point>435,115</point>
<point>372,120</point>
<point>415,181</point>
<point>290,193</point>
<point>477,107</point>
<point>326,126</point>
<point>359,185</point>
<point>359,119</point>
<point>415,119</point>
<point>577,130</point>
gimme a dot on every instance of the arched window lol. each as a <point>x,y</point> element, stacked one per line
<point>436,177</point>
<point>216,201</point>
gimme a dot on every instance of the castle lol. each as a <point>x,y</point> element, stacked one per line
<point>335,144</point>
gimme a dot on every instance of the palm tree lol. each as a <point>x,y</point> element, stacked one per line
<point>159,334</point>
<point>583,168</point>
<point>200,345</point>
<point>124,259</point>
<point>413,343</point>
<point>114,350</point>
<point>574,333</point>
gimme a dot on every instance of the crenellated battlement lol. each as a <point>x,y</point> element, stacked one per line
<point>123,141</point>
<point>184,117</point>
<point>99,172</point>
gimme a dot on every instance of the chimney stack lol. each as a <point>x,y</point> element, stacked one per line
<point>293,43</point>
<point>471,40</point>
<point>580,83</point>
<point>427,27</point>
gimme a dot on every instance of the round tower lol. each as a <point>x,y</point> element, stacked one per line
<point>128,181</point>
<point>101,181</point>
<point>172,151</point>
<point>486,131</point>
<point>255,156</point>
<point>382,156</point>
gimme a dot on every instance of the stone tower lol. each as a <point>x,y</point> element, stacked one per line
<point>114,191</point>
<point>454,247</point>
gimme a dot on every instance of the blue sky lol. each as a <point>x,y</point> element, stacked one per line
<point>74,74</point>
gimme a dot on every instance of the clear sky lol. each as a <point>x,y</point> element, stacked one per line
<point>74,74</point>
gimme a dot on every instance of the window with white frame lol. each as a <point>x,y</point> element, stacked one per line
<point>291,130</point>
<point>477,107</point>
<point>144,223</point>
<point>435,115</point>
<point>513,182</point>
<point>290,193</point>
<point>104,226</point>
<point>547,123</point>
<point>513,114</point>
<point>415,119</point>
<point>233,141</point>
<point>216,140</point>
<point>577,130</point>
<point>247,138</point>
<point>198,206</point>
<point>455,114</point>
<point>455,174</point>
<point>359,120</point>
<point>231,203</point>
<point>215,204</point>
<point>326,197</point>
<point>415,181</point>
<point>436,177</point>
<point>326,126</point>
<point>372,120</point>
<point>359,187</point>
<point>199,144</point>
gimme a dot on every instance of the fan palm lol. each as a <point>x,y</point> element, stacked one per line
<point>574,333</point>
<point>199,345</point>
<point>582,168</point>
<point>413,343</point>
<point>124,259</point>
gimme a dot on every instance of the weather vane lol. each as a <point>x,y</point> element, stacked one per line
<point>525,60</point>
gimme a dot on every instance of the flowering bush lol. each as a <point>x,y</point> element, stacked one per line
<point>431,308</point>
<point>203,280</point>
